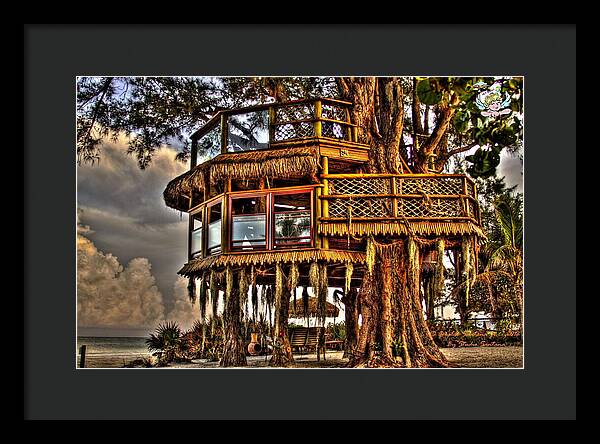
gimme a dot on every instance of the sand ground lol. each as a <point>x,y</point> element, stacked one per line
<point>463,357</point>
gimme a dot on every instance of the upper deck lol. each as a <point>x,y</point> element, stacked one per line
<point>284,182</point>
<point>319,122</point>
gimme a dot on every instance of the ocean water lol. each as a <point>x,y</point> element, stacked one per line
<point>110,352</point>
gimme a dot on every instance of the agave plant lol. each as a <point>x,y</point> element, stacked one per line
<point>166,342</point>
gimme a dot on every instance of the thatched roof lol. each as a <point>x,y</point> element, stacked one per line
<point>421,228</point>
<point>196,266</point>
<point>331,311</point>
<point>282,163</point>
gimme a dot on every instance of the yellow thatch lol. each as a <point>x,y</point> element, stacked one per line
<point>283,163</point>
<point>179,190</point>
<point>235,260</point>
<point>423,228</point>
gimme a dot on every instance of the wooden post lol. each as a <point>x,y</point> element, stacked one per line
<point>272,119</point>
<point>318,213</point>
<point>465,200</point>
<point>225,218</point>
<point>82,356</point>
<point>395,199</point>
<point>325,202</point>
<point>318,111</point>
<point>224,133</point>
<point>349,129</point>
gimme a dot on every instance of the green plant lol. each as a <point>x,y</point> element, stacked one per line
<point>166,342</point>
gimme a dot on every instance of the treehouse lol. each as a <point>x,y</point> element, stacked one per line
<point>286,183</point>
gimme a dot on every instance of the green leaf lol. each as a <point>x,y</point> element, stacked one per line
<point>461,121</point>
<point>427,93</point>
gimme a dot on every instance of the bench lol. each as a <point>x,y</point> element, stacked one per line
<point>308,338</point>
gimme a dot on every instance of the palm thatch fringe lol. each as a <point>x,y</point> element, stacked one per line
<point>426,228</point>
<point>183,185</point>
<point>281,163</point>
<point>297,256</point>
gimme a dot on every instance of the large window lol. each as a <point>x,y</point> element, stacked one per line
<point>248,131</point>
<point>291,214</point>
<point>249,222</point>
<point>196,245</point>
<point>258,221</point>
<point>214,228</point>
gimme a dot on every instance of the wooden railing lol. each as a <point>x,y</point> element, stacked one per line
<point>379,197</point>
<point>266,126</point>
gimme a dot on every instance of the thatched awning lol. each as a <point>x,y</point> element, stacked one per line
<point>196,266</point>
<point>422,228</point>
<point>282,163</point>
<point>297,311</point>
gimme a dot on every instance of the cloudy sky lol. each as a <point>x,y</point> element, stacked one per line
<point>130,245</point>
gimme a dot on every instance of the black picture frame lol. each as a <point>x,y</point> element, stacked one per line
<point>55,54</point>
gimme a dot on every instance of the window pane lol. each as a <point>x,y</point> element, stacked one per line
<point>248,223</point>
<point>293,225</point>
<point>249,231</point>
<point>197,221</point>
<point>248,131</point>
<point>292,219</point>
<point>209,145</point>
<point>196,241</point>
<point>214,227</point>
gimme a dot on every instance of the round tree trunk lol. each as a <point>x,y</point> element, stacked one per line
<point>394,332</point>
<point>351,312</point>
<point>282,349</point>
<point>234,350</point>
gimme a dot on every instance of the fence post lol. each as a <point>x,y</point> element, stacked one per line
<point>82,356</point>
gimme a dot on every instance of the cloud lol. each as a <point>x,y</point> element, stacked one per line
<point>183,312</point>
<point>117,185</point>
<point>112,295</point>
<point>124,205</point>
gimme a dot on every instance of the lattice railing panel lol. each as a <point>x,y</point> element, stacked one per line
<point>334,130</point>
<point>437,185</point>
<point>334,112</point>
<point>360,186</point>
<point>361,207</point>
<point>473,209</point>
<point>294,131</point>
<point>438,207</point>
<point>289,113</point>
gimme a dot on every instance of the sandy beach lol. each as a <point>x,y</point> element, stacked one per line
<point>463,357</point>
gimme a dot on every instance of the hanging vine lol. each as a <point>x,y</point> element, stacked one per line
<point>348,277</point>
<point>202,296</point>
<point>293,283</point>
<point>192,290</point>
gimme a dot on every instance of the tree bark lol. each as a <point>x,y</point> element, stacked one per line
<point>234,349</point>
<point>282,349</point>
<point>351,312</point>
<point>394,331</point>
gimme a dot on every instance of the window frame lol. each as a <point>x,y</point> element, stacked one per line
<point>244,195</point>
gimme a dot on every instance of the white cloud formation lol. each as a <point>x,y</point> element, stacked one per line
<point>111,295</point>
